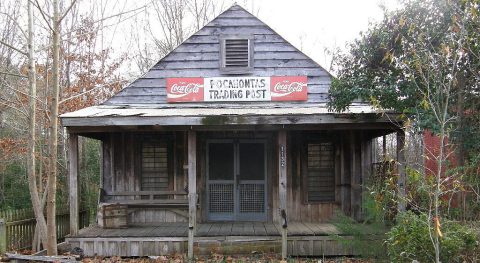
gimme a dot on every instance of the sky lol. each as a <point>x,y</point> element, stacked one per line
<point>316,25</point>
<point>313,26</point>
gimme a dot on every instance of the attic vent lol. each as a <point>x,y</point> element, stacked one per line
<point>236,55</point>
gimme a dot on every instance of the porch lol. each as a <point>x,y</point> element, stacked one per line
<point>304,239</point>
<point>276,171</point>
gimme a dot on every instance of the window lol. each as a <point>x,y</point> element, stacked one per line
<point>155,166</point>
<point>320,177</point>
<point>236,54</point>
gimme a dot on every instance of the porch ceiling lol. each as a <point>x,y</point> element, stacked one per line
<point>252,115</point>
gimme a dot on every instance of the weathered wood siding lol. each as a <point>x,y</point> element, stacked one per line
<point>121,161</point>
<point>316,246</point>
<point>199,55</point>
<point>121,171</point>
<point>352,166</point>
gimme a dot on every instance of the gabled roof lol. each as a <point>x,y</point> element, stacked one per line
<point>198,56</point>
<point>144,102</point>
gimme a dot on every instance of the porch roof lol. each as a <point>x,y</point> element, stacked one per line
<point>126,115</point>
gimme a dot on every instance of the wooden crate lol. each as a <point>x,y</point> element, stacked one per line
<point>113,216</point>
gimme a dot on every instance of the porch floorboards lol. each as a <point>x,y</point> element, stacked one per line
<point>258,229</point>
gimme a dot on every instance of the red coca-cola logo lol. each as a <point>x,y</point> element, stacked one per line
<point>288,88</point>
<point>184,89</point>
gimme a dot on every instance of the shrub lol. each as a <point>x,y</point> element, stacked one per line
<point>410,240</point>
<point>366,239</point>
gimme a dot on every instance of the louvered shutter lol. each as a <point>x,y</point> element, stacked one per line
<point>236,54</point>
<point>321,172</point>
<point>155,175</point>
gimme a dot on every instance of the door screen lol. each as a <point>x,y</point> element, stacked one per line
<point>236,180</point>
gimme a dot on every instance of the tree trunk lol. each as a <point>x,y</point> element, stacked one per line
<point>460,149</point>
<point>32,180</point>
<point>53,143</point>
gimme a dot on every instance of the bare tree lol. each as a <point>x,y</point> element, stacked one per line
<point>32,176</point>
<point>167,25</point>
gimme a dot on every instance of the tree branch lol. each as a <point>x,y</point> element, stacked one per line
<point>14,48</point>
<point>44,16</point>
<point>97,21</point>
<point>13,108</point>
<point>13,74</point>
<point>68,10</point>
<point>16,23</point>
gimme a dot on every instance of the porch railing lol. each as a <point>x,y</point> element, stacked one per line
<point>17,227</point>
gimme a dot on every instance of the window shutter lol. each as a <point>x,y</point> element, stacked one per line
<point>154,167</point>
<point>321,172</point>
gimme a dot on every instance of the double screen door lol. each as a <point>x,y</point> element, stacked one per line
<point>236,180</point>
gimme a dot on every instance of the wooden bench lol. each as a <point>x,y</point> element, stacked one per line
<point>158,199</point>
<point>115,206</point>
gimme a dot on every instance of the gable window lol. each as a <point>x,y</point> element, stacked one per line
<point>236,54</point>
<point>320,174</point>
<point>155,166</point>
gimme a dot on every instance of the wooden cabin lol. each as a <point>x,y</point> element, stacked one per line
<point>226,144</point>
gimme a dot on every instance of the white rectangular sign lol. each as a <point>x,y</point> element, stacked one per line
<point>237,89</point>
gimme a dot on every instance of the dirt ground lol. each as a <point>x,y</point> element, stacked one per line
<point>213,258</point>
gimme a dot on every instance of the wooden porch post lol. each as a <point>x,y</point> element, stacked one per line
<point>192,190</point>
<point>282,187</point>
<point>401,169</point>
<point>73,181</point>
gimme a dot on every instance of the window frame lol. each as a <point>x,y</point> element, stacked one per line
<point>222,55</point>
<point>304,167</point>
<point>170,159</point>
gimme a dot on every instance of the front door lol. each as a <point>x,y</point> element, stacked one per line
<point>236,184</point>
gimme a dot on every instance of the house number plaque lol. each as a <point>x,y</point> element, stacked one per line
<point>282,156</point>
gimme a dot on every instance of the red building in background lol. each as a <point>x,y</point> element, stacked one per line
<point>431,144</point>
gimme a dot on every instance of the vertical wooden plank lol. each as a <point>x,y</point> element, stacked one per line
<point>130,162</point>
<point>202,195</point>
<point>102,168</point>
<point>338,173</point>
<point>3,237</point>
<point>282,187</point>
<point>73,180</point>
<point>356,176</point>
<point>122,184</point>
<point>352,181</point>
<point>137,163</point>
<point>289,194</point>
<point>192,189</point>
<point>107,164</point>
<point>366,155</point>
<point>401,169</point>
<point>300,185</point>
<point>346,174</point>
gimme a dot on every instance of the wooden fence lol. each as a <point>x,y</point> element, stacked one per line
<point>19,226</point>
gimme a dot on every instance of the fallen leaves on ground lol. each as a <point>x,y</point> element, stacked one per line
<point>214,257</point>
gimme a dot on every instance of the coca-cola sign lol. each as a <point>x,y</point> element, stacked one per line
<point>184,89</point>
<point>288,88</point>
<point>230,89</point>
